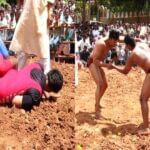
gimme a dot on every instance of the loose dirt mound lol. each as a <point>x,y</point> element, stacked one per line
<point>49,126</point>
<point>121,115</point>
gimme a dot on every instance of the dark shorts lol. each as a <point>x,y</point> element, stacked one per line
<point>89,62</point>
<point>148,71</point>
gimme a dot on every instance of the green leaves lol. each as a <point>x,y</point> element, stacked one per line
<point>3,2</point>
<point>127,5</point>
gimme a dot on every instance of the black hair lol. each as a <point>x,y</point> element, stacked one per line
<point>129,41</point>
<point>55,80</point>
<point>114,34</point>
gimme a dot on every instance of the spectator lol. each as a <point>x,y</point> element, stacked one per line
<point>31,34</point>
<point>84,55</point>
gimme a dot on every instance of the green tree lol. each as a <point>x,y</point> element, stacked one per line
<point>126,5</point>
<point>113,5</point>
<point>12,1</point>
<point>3,2</point>
<point>81,6</point>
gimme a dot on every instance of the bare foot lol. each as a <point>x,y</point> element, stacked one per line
<point>100,106</point>
<point>141,126</point>
<point>145,131</point>
<point>99,116</point>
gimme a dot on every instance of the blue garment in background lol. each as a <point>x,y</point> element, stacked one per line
<point>3,50</point>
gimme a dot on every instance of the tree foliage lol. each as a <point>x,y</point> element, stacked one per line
<point>3,2</point>
<point>119,5</point>
<point>126,5</point>
<point>113,5</point>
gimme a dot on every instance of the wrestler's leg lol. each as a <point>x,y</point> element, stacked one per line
<point>103,88</point>
<point>145,94</point>
<point>105,85</point>
<point>100,80</point>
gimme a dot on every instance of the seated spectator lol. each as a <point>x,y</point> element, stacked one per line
<point>3,20</point>
<point>121,56</point>
<point>3,25</point>
<point>108,57</point>
<point>114,57</point>
<point>84,55</point>
<point>84,43</point>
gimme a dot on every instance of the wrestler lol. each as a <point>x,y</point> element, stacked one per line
<point>24,88</point>
<point>140,56</point>
<point>96,64</point>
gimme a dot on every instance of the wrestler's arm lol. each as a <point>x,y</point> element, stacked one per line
<point>127,67</point>
<point>98,53</point>
<point>30,98</point>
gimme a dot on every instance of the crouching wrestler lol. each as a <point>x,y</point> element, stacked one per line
<point>25,88</point>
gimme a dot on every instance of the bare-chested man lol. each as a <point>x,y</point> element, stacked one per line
<point>95,64</point>
<point>140,56</point>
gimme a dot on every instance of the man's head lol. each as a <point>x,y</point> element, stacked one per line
<point>113,37</point>
<point>130,42</point>
<point>55,80</point>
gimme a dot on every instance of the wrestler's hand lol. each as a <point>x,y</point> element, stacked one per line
<point>110,66</point>
<point>113,66</point>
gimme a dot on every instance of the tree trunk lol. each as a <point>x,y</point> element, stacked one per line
<point>83,11</point>
<point>97,10</point>
<point>138,16</point>
<point>89,10</point>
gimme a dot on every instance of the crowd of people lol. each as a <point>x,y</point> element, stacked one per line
<point>63,27</point>
<point>64,12</point>
<point>61,23</point>
<point>86,40</point>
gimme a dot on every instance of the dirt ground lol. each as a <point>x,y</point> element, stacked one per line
<point>121,115</point>
<point>47,127</point>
